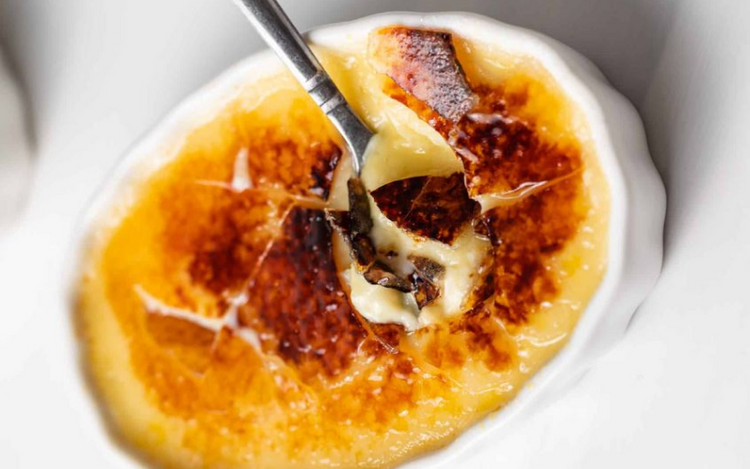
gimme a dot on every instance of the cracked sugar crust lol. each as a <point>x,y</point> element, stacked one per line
<point>237,324</point>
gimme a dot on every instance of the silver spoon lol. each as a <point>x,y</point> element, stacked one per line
<point>280,34</point>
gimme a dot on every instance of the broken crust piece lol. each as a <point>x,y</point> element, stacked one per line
<point>361,249</point>
<point>354,226</point>
<point>379,273</point>
<point>427,273</point>
<point>505,159</point>
<point>434,207</point>
<point>424,63</point>
<point>423,281</point>
<point>363,253</point>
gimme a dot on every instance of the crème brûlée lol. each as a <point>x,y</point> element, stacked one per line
<point>236,311</point>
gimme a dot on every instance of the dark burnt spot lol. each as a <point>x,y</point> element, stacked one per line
<point>430,206</point>
<point>323,171</point>
<point>423,63</point>
<point>297,297</point>
<point>220,234</point>
<point>395,199</point>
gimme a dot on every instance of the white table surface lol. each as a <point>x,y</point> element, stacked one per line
<point>674,393</point>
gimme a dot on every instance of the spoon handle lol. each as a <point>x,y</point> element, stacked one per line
<point>280,34</point>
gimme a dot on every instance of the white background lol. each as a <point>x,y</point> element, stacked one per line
<point>674,393</point>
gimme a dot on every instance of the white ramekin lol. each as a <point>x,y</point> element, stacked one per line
<point>638,198</point>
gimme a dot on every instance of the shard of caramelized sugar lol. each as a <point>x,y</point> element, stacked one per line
<point>354,226</point>
<point>361,248</point>
<point>502,155</point>
<point>434,207</point>
<point>426,276</point>
<point>381,274</point>
<point>427,268</point>
<point>424,63</point>
<point>359,207</point>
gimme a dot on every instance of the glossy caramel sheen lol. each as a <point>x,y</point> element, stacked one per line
<point>294,377</point>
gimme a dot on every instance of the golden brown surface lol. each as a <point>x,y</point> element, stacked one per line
<point>279,370</point>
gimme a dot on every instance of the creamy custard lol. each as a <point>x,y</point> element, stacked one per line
<point>225,326</point>
<point>462,261</point>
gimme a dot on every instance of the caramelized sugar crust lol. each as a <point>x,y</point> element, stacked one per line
<point>434,207</point>
<point>524,236</point>
<point>285,372</point>
<point>280,165</point>
<point>220,252</point>
<point>297,299</point>
<point>425,63</point>
<point>301,164</point>
<point>503,154</point>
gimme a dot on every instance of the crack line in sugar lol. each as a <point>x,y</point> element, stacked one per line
<point>229,320</point>
<point>522,191</point>
<point>301,200</point>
